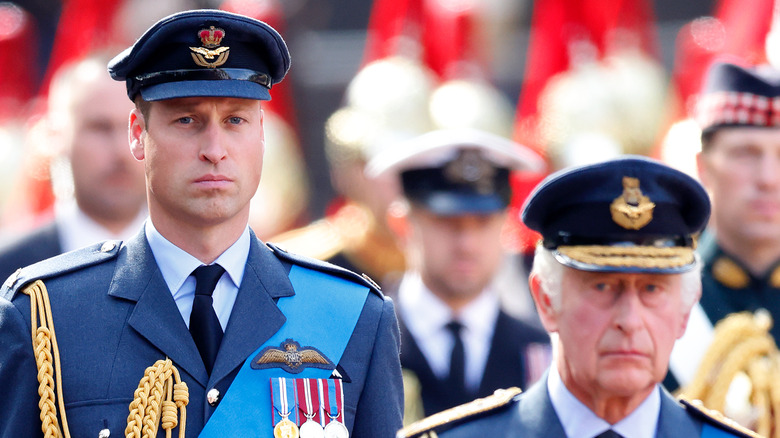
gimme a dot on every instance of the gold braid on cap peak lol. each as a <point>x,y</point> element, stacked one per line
<point>740,373</point>
<point>635,256</point>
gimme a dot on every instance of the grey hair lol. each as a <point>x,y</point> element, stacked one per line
<point>550,274</point>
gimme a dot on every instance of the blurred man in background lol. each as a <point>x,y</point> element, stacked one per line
<point>99,186</point>
<point>457,341</point>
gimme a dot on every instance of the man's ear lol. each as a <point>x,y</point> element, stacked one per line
<point>135,130</point>
<point>544,305</point>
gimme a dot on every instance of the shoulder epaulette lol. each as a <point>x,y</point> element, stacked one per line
<point>717,419</point>
<point>439,422</point>
<point>60,264</point>
<point>323,266</point>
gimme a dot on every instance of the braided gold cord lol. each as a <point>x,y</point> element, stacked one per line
<point>47,359</point>
<point>647,257</point>
<point>728,332</point>
<point>159,395</point>
<point>738,360</point>
<point>758,371</point>
<point>742,345</point>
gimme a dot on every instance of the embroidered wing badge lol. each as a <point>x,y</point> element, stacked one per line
<point>632,210</point>
<point>211,55</point>
<point>291,357</point>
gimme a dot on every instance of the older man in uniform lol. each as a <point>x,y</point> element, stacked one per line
<point>614,280</point>
<point>267,343</point>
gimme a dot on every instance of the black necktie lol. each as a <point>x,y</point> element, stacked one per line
<point>609,433</point>
<point>204,324</point>
<point>457,378</point>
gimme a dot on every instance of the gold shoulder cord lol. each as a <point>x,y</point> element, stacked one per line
<point>742,357</point>
<point>155,390</point>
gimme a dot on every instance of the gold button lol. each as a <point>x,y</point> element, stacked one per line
<point>212,396</point>
<point>108,246</point>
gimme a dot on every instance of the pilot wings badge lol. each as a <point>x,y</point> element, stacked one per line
<point>291,357</point>
<point>211,38</point>
<point>632,210</point>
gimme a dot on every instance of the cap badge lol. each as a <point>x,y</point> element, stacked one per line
<point>211,38</point>
<point>291,358</point>
<point>471,168</point>
<point>632,210</point>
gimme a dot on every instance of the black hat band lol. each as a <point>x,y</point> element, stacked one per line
<point>135,84</point>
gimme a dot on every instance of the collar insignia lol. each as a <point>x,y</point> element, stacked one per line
<point>471,168</point>
<point>291,357</point>
<point>632,210</point>
<point>211,55</point>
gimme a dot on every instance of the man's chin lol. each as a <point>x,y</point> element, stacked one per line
<point>627,383</point>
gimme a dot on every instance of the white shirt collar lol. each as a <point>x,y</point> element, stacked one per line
<point>426,316</point>
<point>176,264</point>
<point>579,421</point>
<point>77,230</point>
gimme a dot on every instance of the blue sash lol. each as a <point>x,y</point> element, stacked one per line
<point>708,431</point>
<point>322,314</point>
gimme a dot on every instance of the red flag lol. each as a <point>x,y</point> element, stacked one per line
<point>269,11</point>
<point>18,49</point>
<point>84,26</point>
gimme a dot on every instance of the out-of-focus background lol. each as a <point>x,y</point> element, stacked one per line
<point>574,79</point>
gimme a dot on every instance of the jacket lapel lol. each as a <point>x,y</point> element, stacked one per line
<point>255,316</point>
<point>674,420</point>
<point>536,413</point>
<point>155,315</point>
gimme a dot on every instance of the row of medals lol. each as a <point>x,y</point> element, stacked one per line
<point>310,429</point>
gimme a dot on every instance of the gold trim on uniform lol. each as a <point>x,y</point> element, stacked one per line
<point>729,273</point>
<point>426,426</point>
<point>715,417</point>
<point>632,210</point>
<point>638,256</point>
<point>352,230</point>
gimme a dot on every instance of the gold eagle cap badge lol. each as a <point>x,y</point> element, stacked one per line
<point>291,357</point>
<point>211,55</point>
<point>632,210</point>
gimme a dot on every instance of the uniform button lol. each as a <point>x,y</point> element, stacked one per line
<point>107,246</point>
<point>212,396</point>
<point>105,433</point>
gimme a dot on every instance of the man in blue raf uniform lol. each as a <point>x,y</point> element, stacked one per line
<point>614,280</point>
<point>267,343</point>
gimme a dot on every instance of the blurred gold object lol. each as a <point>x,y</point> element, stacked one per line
<point>474,104</point>
<point>740,373</point>
<point>283,194</point>
<point>413,405</point>
<point>602,108</point>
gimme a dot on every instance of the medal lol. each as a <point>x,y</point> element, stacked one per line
<point>309,404</point>
<point>283,395</point>
<point>335,429</point>
<point>285,428</point>
<point>312,429</point>
<point>335,409</point>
